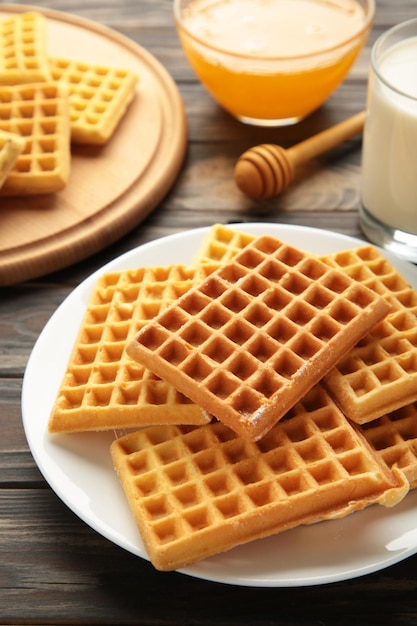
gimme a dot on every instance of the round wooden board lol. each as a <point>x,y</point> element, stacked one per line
<point>111,189</point>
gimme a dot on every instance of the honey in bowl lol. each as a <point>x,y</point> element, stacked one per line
<point>272,62</point>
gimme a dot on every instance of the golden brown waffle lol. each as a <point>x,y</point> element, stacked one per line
<point>38,113</point>
<point>99,97</point>
<point>11,146</point>
<point>379,375</point>
<point>394,437</point>
<point>253,338</point>
<point>23,49</point>
<point>221,244</point>
<point>197,492</point>
<point>102,387</point>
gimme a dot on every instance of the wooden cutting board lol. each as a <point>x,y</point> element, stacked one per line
<point>111,189</point>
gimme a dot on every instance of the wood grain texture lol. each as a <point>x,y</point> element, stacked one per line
<point>53,568</point>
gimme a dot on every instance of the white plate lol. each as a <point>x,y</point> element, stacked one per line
<point>79,469</point>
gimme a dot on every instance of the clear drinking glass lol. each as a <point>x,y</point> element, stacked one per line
<point>388,212</point>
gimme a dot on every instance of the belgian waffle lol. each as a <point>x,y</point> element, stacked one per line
<point>253,338</point>
<point>38,112</point>
<point>23,49</point>
<point>197,492</point>
<point>379,374</point>
<point>394,437</point>
<point>11,146</point>
<point>102,387</point>
<point>221,244</point>
<point>99,97</point>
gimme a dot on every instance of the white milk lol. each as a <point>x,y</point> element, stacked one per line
<point>389,161</point>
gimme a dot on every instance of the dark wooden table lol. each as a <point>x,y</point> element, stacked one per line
<point>54,569</point>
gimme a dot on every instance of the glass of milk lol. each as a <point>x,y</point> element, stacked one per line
<point>388,211</point>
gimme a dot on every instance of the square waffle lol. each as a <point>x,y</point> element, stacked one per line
<point>221,244</point>
<point>253,338</point>
<point>37,112</point>
<point>197,492</point>
<point>379,374</point>
<point>394,437</point>
<point>23,49</point>
<point>102,387</point>
<point>99,97</point>
<point>10,147</point>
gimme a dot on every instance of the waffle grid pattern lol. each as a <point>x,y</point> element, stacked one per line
<point>99,97</point>
<point>258,334</point>
<point>102,387</point>
<point>23,49</point>
<point>380,374</point>
<point>39,114</point>
<point>221,244</point>
<point>196,492</point>
<point>394,437</point>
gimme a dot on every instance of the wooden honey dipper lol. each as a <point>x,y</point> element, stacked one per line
<point>266,170</point>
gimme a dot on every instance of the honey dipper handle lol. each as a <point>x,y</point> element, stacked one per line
<point>267,170</point>
<point>327,139</point>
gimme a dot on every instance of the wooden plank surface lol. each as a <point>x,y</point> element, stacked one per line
<point>54,569</point>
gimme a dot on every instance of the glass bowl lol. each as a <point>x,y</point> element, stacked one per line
<point>272,62</point>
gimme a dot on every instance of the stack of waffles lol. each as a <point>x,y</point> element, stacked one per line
<point>263,388</point>
<point>47,103</point>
